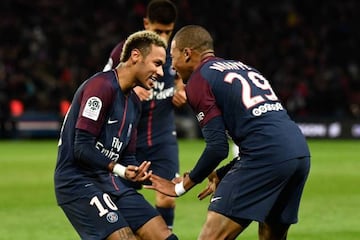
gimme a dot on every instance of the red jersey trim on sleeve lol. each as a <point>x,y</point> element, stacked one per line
<point>95,101</point>
<point>202,102</point>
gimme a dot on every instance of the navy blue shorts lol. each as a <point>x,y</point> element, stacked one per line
<point>99,214</point>
<point>264,194</point>
<point>164,160</point>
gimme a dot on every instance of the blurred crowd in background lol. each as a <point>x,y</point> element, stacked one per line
<point>308,50</point>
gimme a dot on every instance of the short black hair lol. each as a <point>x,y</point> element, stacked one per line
<point>161,11</point>
<point>195,37</point>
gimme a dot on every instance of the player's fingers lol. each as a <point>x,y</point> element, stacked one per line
<point>131,168</point>
<point>142,169</point>
<point>149,187</point>
<point>154,177</point>
<point>142,165</point>
<point>153,181</point>
<point>177,180</point>
<point>203,195</point>
<point>144,177</point>
<point>206,192</point>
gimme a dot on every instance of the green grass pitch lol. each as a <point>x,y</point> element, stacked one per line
<point>330,207</point>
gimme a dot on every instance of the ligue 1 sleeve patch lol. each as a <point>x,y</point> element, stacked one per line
<point>92,108</point>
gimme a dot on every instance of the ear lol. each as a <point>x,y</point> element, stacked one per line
<point>135,55</point>
<point>146,23</point>
<point>187,54</point>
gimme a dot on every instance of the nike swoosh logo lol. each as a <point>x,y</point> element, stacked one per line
<point>112,121</point>
<point>89,185</point>
<point>215,199</point>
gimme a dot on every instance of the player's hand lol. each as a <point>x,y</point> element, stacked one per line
<point>138,173</point>
<point>179,178</point>
<point>211,186</point>
<point>161,185</point>
<point>179,98</point>
<point>142,93</point>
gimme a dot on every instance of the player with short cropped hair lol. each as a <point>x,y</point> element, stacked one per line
<point>96,150</point>
<point>231,98</point>
<point>157,140</point>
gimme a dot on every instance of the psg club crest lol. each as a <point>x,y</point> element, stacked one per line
<point>112,217</point>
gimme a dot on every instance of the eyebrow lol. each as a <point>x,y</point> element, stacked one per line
<point>159,61</point>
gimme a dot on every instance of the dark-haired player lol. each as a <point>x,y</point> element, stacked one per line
<point>265,184</point>
<point>156,140</point>
<point>96,153</point>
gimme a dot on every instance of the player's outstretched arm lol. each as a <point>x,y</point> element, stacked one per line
<point>170,188</point>
<point>162,185</point>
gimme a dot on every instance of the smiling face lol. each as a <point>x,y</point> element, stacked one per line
<point>150,67</point>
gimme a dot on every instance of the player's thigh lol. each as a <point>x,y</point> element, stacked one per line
<point>94,216</point>
<point>154,229</point>
<point>218,226</point>
<point>165,201</point>
<point>273,231</point>
<point>135,209</point>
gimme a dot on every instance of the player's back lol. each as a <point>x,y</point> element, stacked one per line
<point>253,115</point>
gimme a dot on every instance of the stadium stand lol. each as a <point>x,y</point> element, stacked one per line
<point>307,49</point>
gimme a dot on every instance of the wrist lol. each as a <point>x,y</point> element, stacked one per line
<point>111,166</point>
<point>119,170</point>
<point>179,189</point>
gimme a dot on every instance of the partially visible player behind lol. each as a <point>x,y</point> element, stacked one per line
<point>96,152</point>
<point>156,140</point>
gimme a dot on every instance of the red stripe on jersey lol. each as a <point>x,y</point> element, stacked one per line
<point>124,117</point>
<point>114,183</point>
<point>149,129</point>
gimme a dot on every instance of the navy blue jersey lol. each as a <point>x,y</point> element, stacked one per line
<point>253,115</point>
<point>157,123</point>
<point>100,108</point>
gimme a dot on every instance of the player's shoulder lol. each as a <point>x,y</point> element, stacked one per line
<point>102,82</point>
<point>210,61</point>
<point>104,77</point>
<point>118,48</point>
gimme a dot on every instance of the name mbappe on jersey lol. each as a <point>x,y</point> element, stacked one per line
<point>255,89</point>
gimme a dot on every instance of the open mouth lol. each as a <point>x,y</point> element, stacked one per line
<point>153,78</point>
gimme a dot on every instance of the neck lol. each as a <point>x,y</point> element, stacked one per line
<point>122,77</point>
<point>206,54</point>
